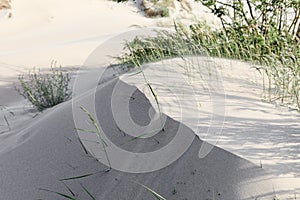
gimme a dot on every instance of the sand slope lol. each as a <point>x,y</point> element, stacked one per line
<point>49,150</point>
<point>225,106</point>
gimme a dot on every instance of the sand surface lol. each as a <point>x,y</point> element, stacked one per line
<point>224,107</point>
<point>48,150</point>
<point>231,115</point>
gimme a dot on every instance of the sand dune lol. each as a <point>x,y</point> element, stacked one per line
<point>213,125</point>
<point>48,150</point>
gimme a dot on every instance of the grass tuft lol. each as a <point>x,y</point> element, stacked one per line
<point>45,90</point>
<point>277,56</point>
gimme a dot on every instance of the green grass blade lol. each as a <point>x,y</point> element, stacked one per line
<point>58,193</point>
<point>90,195</point>
<point>99,133</point>
<point>83,147</point>
<point>78,177</point>
<point>154,194</point>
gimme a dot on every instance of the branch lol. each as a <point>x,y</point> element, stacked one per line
<point>250,9</point>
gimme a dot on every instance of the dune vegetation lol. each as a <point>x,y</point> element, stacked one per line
<point>45,90</point>
<point>265,33</point>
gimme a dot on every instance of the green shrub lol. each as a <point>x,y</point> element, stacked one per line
<point>165,12</point>
<point>45,90</point>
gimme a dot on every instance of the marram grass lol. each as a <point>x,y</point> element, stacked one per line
<point>276,58</point>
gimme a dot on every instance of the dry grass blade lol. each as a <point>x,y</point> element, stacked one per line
<point>154,194</point>
<point>137,64</point>
<point>98,131</point>
<point>83,147</point>
<point>83,176</point>
<point>90,195</point>
<point>58,193</point>
<point>6,121</point>
<point>3,109</point>
<point>69,189</point>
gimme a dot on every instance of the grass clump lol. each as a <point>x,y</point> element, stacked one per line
<point>163,45</point>
<point>45,90</point>
<point>277,55</point>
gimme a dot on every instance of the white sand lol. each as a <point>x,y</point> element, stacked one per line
<point>233,116</point>
<point>66,31</point>
<point>63,30</point>
<point>48,149</point>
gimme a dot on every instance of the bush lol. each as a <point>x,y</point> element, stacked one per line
<point>45,90</point>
